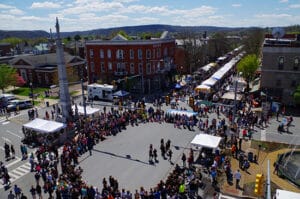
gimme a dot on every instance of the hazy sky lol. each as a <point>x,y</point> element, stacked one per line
<point>93,14</point>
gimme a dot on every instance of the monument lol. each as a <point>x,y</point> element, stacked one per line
<point>64,95</point>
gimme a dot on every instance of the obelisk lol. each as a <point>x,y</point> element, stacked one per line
<point>64,95</point>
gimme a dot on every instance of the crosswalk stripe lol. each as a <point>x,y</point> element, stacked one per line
<point>22,169</point>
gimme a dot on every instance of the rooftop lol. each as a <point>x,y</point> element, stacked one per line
<point>288,40</point>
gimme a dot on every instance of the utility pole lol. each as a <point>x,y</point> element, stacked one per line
<point>268,189</point>
<point>83,98</point>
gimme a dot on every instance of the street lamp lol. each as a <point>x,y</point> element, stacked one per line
<point>31,88</point>
<point>235,95</point>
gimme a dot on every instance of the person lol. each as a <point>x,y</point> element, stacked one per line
<point>7,150</point>
<point>170,155</point>
<point>11,195</point>
<point>38,189</point>
<point>183,158</point>
<point>17,191</point>
<point>13,152</point>
<point>237,176</point>
<point>33,192</point>
<point>276,167</point>
<point>23,196</point>
<point>155,155</point>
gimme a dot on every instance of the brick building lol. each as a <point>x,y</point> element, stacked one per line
<point>134,65</point>
<point>41,70</point>
<point>280,72</point>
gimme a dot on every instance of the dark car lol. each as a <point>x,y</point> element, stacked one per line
<point>22,104</point>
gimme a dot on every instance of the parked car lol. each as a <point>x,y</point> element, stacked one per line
<point>5,99</point>
<point>22,104</point>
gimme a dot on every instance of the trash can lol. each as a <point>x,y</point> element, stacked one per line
<point>250,157</point>
<point>47,104</point>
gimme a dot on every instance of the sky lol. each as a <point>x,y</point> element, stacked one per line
<point>79,15</point>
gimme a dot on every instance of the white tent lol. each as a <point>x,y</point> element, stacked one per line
<point>230,96</point>
<point>205,140</point>
<point>209,82</point>
<point>283,194</point>
<point>180,112</point>
<point>89,110</point>
<point>203,88</point>
<point>44,126</point>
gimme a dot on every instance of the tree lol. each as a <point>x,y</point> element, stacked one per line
<point>253,41</point>
<point>77,37</point>
<point>247,66</point>
<point>7,76</point>
<point>296,95</point>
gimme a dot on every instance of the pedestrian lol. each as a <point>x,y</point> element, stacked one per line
<point>170,155</point>
<point>168,145</point>
<point>183,158</point>
<point>162,148</point>
<point>13,152</point>
<point>7,151</point>
<point>33,192</point>
<point>11,195</point>
<point>276,168</point>
<point>150,153</point>
<point>38,189</point>
<point>155,155</point>
<point>23,196</point>
<point>237,176</point>
<point>17,191</point>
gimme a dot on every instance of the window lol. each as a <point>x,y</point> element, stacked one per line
<point>101,53</point>
<point>280,63</point>
<point>153,54</point>
<point>296,63</point>
<point>109,66</point>
<point>91,53</point>
<point>278,82</point>
<point>140,53</point>
<point>141,68</point>
<point>148,68</point>
<point>131,52</point>
<point>132,68</point>
<point>92,67</point>
<point>108,53</point>
<point>120,54</point>
<point>102,67</point>
<point>293,84</point>
<point>158,53</point>
<point>148,54</point>
<point>165,52</point>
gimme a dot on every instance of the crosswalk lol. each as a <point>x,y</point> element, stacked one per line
<point>18,173</point>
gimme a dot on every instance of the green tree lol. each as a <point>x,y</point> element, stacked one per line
<point>77,37</point>
<point>247,66</point>
<point>253,41</point>
<point>7,76</point>
<point>297,95</point>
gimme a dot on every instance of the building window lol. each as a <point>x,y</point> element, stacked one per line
<point>132,68</point>
<point>141,69</point>
<point>278,82</point>
<point>108,53</point>
<point>293,84</point>
<point>91,53</point>
<point>165,52</point>
<point>92,67</point>
<point>296,63</point>
<point>280,63</point>
<point>148,54</point>
<point>110,66</point>
<point>140,53</point>
<point>158,53</point>
<point>120,54</point>
<point>102,67</point>
<point>101,53</point>
<point>153,54</point>
<point>148,68</point>
<point>131,52</point>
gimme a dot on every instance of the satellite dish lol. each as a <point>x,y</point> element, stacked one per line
<point>278,32</point>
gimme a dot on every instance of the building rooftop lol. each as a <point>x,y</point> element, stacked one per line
<point>288,40</point>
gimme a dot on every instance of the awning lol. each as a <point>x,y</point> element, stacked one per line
<point>180,112</point>
<point>230,96</point>
<point>283,194</point>
<point>209,82</point>
<point>205,140</point>
<point>89,110</point>
<point>44,126</point>
<point>203,88</point>
<point>121,93</point>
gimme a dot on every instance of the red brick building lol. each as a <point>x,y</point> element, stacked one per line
<point>135,65</point>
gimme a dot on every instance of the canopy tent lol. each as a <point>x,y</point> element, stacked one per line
<point>230,96</point>
<point>203,88</point>
<point>283,194</point>
<point>203,102</point>
<point>181,112</point>
<point>89,110</point>
<point>209,82</point>
<point>205,140</point>
<point>44,126</point>
<point>222,71</point>
<point>121,93</point>
<point>207,67</point>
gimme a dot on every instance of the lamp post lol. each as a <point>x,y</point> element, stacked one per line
<point>31,89</point>
<point>235,95</point>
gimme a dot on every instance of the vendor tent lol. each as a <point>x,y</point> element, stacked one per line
<point>230,96</point>
<point>283,194</point>
<point>121,93</point>
<point>203,88</point>
<point>209,82</point>
<point>205,140</point>
<point>181,112</point>
<point>89,110</point>
<point>44,126</point>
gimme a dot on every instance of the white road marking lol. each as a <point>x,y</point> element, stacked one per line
<point>263,135</point>
<point>14,162</point>
<point>18,173</point>
<point>8,131</point>
<point>7,122</point>
<point>6,139</point>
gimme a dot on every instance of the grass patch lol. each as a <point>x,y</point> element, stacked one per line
<point>25,91</point>
<point>268,146</point>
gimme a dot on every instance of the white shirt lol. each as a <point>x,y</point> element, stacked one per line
<point>237,175</point>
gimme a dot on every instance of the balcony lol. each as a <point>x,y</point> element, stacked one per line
<point>120,73</point>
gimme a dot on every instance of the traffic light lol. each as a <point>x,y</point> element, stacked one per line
<point>259,181</point>
<point>167,100</point>
<point>191,102</point>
